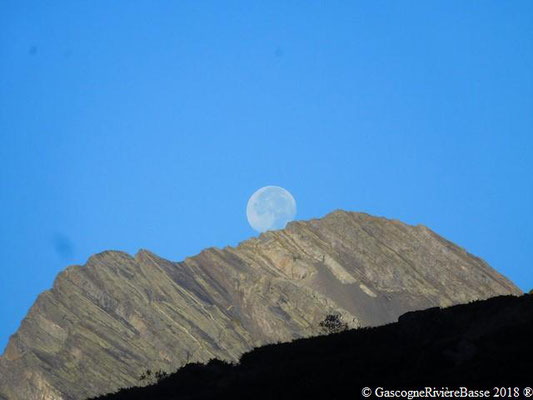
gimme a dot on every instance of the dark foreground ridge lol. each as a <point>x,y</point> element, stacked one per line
<point>480,345</point>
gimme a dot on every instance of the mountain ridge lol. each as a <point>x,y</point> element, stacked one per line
<point>108,319</point>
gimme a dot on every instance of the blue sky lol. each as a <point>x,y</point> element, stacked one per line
<point>148,124</point>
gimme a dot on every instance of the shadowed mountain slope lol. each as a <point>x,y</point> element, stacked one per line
<point>479,345</point>
<point>106,322</point>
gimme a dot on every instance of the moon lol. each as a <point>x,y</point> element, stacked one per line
<point>270,208</point>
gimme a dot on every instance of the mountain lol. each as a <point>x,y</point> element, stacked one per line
<point>106,322</point>
<point>478,346</point>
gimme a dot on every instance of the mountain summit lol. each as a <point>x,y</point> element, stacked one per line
<point>106,322</point>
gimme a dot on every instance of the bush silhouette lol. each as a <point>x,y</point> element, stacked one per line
<point>333,324</point>
<point>152,377</point>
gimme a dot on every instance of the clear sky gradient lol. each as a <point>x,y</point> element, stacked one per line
<point>148,124</point>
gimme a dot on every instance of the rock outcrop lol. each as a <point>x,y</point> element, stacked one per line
<point>103,324</point>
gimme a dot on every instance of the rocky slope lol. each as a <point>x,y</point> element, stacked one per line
<point>116,316</point>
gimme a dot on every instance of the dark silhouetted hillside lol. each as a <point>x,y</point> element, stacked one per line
<point>479,345</point>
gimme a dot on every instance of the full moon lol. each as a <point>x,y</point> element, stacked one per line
<point>269,208</point>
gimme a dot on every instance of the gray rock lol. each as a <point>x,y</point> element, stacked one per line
<point>104,323</point>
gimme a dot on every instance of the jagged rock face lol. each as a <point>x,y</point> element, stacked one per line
<point>104,323</point>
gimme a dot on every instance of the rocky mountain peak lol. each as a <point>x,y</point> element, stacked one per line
<point>118,315</point>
